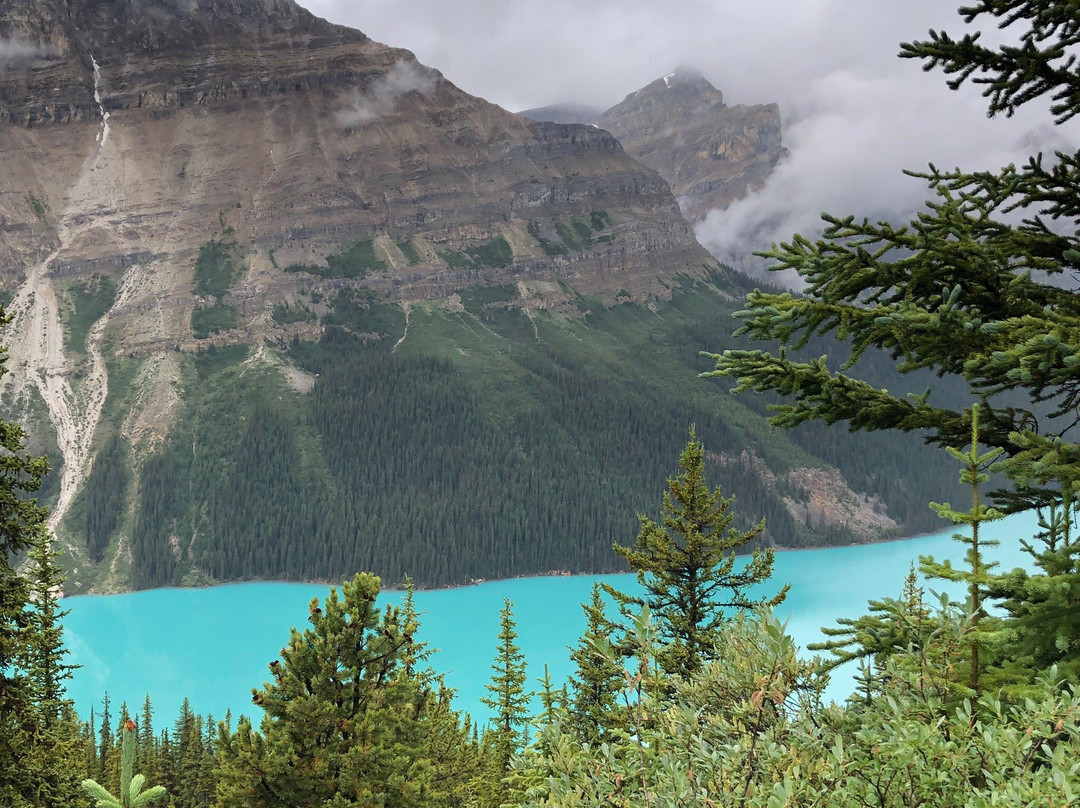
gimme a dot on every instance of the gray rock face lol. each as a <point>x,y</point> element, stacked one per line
<point>711,154</point>
<point>311,136</point>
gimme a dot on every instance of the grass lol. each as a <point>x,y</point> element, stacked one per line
<point>357,260</point>
<point>284,314</point>
<point>476,297</point>
<point>39,207</point>
<point>495,252</point>
<point>571,241</point>
<point>583,230</point>
<point>409,251</point>
<point>549,247</point>
<point>359,312</point>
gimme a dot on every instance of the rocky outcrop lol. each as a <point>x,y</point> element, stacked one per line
<point>300,135</point>
<point>711,154</point>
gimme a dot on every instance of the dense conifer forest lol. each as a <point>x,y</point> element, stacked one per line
<point>468,451</point>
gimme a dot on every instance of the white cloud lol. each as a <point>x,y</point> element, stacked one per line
<point>854,114</point>
<point>16,49</point>
<point>851,139</point>
<point>379,98</point>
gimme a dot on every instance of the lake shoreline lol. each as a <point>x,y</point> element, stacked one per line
<point>480,581</point>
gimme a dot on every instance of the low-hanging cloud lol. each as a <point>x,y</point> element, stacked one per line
<point>382,94</point>
<point>854,115</point>
<point>849,145</point>
<point>16,50</point>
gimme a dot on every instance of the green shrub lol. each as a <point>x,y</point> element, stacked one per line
<point>409,251</point>
<point>207,320</point>
<point>549,247</point>
<point>355,261</point>
<point>284,314</point>
<point>216,269</point>
<point>91,298</point>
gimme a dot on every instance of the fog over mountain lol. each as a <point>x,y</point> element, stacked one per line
<point>854,114</point>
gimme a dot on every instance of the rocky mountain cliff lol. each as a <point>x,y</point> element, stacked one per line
<point>711,154</point>
<point>287,304</point>
<point>134,133</point>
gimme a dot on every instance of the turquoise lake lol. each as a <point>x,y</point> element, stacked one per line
<point>213,645</point>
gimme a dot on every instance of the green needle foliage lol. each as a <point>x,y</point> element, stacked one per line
<point>963,290</point>
<point>598,680</point>
<point>131,794</point>
<point>349,720</point>
<point>507,696</point>
<point>37,751</point>
<point>973,474</point>
<point>687,565</point>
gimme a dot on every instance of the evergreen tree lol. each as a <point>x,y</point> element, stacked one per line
<point>21,522</point>
<point>597,680</point>
<point>130,792</point>
<point>507,696</point>
<point>1043,610</point>
<point>45,649</point>
<point>345,723</point>
<point>963,290</point>
<point>105,741</point>
<point>973,474</point>
<point>145,753</point>
<point>892,626</point>
<point>687,565</point>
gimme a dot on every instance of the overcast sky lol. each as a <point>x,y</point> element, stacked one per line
<point>853,113</point>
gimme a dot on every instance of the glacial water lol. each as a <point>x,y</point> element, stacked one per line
<point>213,645</point>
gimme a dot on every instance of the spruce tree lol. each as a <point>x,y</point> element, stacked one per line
<point>345,722</point>
<point>130,792</point>
<point>1043,610</point>
<point>892,626</point>
<point>597,680</point>
<point>45,651</point>
<point>507,697</point>
<point>687,565</point>
<point>964,289</point>
<point>973,474</point>
<point>21,522</point>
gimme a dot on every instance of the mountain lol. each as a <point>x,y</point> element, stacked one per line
<point>286,304</point>
<point>711,154</point>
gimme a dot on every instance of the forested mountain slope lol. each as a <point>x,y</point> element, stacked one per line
<point>286,303</point>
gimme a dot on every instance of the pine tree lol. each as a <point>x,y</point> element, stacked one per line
<point>597,680</point>
<point>973,474</point>
<point>507,696</point>
<point>892,626</point>
<point>962,290</point>
<point>130,792</point>
<point>45,649</point>
<point>21,522</point>
<point>145,752</point>
<point>687,565</point>
<point>345,723</point>
<point>1043,609</point>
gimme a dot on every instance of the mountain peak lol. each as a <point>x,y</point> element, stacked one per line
<point>682,91</point>
<point>710,153</point>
